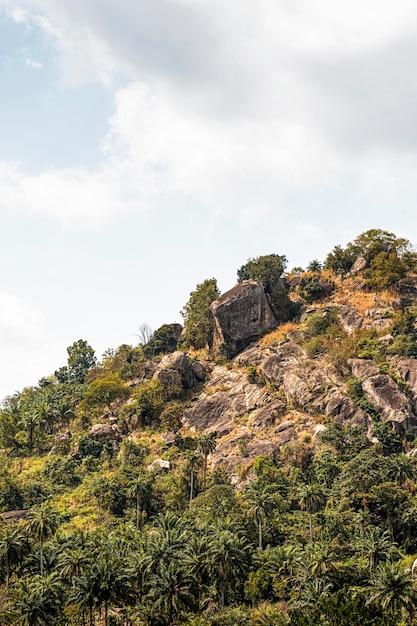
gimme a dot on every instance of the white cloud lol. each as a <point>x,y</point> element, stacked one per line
<point>34,65</point>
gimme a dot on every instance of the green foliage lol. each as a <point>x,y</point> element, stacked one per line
<point>147,403</point>
<point>355,390</point>
<point>340,260</point>
<point>81,358</point>
<point>162,341</point>
<point>315,289</point>
<point>267,269</point>
<point>314,266</point>
<point>196,314</point>
<point>102,393</point>
<point>390,440</point>
<point>170,418</point>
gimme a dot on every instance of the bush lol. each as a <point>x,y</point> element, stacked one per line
<point>196,314</point>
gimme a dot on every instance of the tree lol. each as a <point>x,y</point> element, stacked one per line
<point>42,523</point>
<point>196,314</point>
<point>268,269</point>
<point>13,545</point>
<point>206,445</point>
<point>314,266</point>
<point>376,545</point>
<point>172,589</point>
<point>81,358</point>
<point>140,488</point>
<point>193,457</point>
<point>101,393</point>
<point>226,558</point>
<point>261,501</point>
<point>311,498</point>
<point>392,589</point>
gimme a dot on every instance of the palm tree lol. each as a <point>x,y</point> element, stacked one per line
<point>206,445</point>
<point>393,590</point>
<point>139,488</point>
<point>376,545</point>
<point>13,544</point>
<point>403,469</point>
<point>193,457</point>
<point>261,501</point>
<point>172,589</point>
<point>42,523</point>
<point>226,558</point>
<point>38,600</point>
<point>311,498</point>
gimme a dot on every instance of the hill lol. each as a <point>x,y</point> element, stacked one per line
<point>254,467</point>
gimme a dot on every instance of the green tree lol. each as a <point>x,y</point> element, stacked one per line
<point>261,501</point>
<point>311,498</point>
<point>268,269</point>
<point>392,589</point>
<point>81,358</point>
<point>196,314</point>
<point>206,445</point>
<point>226,558</point>
<point>13,546</point>
<point>42,523</point>
<point>102,393</point>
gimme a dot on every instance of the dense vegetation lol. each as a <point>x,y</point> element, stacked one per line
<point>323,532</point>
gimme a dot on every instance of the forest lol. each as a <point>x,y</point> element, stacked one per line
<point>118,510</point>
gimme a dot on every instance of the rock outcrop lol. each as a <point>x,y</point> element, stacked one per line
<point>240,316</point>
<point>393,404</point>
<point>176,372</point>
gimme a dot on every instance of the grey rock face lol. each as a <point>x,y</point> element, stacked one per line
<point>358,266</point>
<point>350,318</point>
<point>363,368</point>
<point>240,316</point>
<point>227,396</point>
<point>175,372</point>
<point>393,404</point>
<point>104,432</point>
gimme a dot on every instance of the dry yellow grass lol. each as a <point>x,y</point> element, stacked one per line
<point>362,300</point>
<point>278,334</point>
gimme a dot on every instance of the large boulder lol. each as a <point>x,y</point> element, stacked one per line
<point>176,372</point>
<point>393,404</point>
<point>240,316</point>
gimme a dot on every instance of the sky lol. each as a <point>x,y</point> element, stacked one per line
<point>147,146</point>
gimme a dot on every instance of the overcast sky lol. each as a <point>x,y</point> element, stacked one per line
<point>146,146</point>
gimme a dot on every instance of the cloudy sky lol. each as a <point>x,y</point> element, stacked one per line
<point>148,145</point>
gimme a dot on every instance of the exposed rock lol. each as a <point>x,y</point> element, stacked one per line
<point>359,265</point>
<point>168,438</point>
<point>408,370</point>
<point>345,411</point>
<point>176,372</point>
<point>287,436</point>
<point>387,398</point>
<point>386,340</point>
<point>402,303</point>
<point>350,318</point>
<point>297,281</point>
<point>325,313</point>
<point>227,396</point>
<point>198,370</point>
<point>158,464</point>
<point>240,316</point>
<point>363,368</point>
<point>102,432</point>
<point>284,426</point>
<point>407,287</point>
<point>268,415</point>
<point>260,447</point>
<point>63,437</point>
<point>15,516</point>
